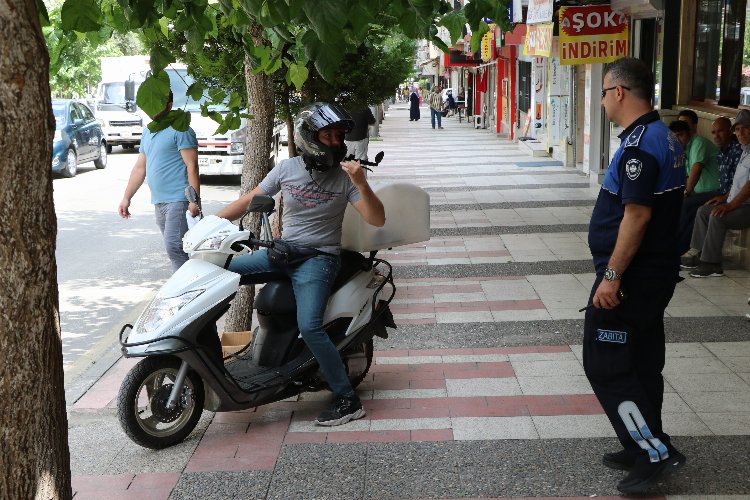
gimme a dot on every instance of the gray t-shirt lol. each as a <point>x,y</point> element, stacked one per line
<point>741,175</point>
<point>314,204</point>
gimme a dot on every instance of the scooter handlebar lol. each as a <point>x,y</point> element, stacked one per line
<point>238,246</point>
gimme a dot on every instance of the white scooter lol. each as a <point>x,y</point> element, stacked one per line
<point>183,373</point>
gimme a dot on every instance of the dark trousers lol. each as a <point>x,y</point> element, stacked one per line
<point>623,357</point>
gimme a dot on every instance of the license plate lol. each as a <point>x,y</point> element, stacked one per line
<point>202,162</point>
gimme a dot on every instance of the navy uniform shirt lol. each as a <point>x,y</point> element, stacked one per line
<point>647,169</point>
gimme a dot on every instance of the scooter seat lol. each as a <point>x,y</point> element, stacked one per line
<point>276,297</point>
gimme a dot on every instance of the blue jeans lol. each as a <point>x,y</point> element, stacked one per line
<point>433,113</point>
<point>170,217</point>
<point>311,280</point>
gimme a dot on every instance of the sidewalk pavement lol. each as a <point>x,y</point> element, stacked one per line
<point>480,392</point>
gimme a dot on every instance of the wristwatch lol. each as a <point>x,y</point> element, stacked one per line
<point>611,275</point>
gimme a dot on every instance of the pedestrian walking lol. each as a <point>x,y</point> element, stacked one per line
<point>436,107</point>
<point>414,104</point>
<point>168,159</point>
<point>632,237</point>
<point>357,139</point>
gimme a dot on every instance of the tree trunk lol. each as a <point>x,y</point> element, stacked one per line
<point>35,460</point>
<point>257,152</point>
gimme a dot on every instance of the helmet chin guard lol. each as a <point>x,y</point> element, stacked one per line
<point>312,119</point>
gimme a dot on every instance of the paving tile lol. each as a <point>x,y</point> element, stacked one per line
<point>684,424</point>
<point>678,366</point>
<point>410,424</point>
<point>727,424</point>
<point>724,349</point>
<point>482,387</point>
<point>547,368</point>
<point>473,428</point>
<point>721,382</point>
<point>564,384</point>
<point>710,402</point>
<point>573,426</point>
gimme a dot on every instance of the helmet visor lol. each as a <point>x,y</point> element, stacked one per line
<point>331,115</point>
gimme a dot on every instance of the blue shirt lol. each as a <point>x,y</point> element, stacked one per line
<point>166,172</point>
<point>647,169</point>
<point>728,161</point>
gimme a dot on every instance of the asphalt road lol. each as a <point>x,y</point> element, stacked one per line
<point>108,268</point>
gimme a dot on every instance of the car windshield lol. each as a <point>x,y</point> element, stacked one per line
<point>179,81</point>
<point>112,96</point>
<point>58,109</point>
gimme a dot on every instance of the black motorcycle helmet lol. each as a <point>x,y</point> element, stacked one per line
<point>310,120</point>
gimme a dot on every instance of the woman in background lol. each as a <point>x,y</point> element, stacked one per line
<point>414,106</point>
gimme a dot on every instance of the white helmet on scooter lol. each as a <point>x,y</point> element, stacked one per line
<point>310,120</point>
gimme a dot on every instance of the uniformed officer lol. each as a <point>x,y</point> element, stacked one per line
<point>632,238</point>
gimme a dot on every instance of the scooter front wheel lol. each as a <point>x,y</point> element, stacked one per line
<point>142,403</point>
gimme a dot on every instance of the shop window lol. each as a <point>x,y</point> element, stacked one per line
<point>524,88</point>
<point>722,52</point>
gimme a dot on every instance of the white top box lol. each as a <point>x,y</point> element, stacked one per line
<point>407,220</point>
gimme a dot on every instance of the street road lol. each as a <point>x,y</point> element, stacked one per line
<point>108,267</point>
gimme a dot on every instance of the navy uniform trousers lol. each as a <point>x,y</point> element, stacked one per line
<point>623,357</point>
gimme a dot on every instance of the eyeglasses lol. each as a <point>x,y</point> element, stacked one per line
<point>604,91</point>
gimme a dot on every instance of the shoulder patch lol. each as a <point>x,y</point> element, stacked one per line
<point>634,138</point>
<point>633,168</point>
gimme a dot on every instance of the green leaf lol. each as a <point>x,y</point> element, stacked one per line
<point>476,36</point>
<point>117,19</point>
<point>160,58</point>
<point>360,19</point>
<point>164,25</point>
<point>163,122</point>
<point>181,120</point>
<point>216,95</point>
<point>235,100</point>
<point>273,66</point>
<point>454,22</point>
<point>153,93</point>
<point>195,90</point>
<point>328,61</point>
<point>43,15</point>
<point>297,74</point>
<point>81,15</point>
<point>327,18</point>
<point>143,10</point>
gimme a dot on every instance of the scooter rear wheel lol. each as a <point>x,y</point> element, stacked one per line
<point>142,408</point>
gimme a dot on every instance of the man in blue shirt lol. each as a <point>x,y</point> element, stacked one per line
<point>168,160</point>
<point>632,237</point>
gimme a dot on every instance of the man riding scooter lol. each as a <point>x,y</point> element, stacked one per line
<point>316,188</point>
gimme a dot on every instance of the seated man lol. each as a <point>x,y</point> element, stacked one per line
<point>712,221</point>
<point>317,187</point>
<point>703,176</point>
<point>729,156</point>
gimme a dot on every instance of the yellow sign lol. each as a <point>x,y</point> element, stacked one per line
<point>593,34</point>
<point>538,40</point>
<point>486,45</point>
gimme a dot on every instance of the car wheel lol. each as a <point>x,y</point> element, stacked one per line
<point>71,166</point>
<point>109,148</point>
<point>101,162</point>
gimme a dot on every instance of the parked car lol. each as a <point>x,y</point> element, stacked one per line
<point>78,138</point>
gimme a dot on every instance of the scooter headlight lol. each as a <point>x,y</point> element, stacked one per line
<point>161,310</point>
<point>210,244</point>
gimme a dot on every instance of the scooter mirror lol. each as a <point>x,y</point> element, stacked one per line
<point>379,157</point>
<point>261,203</point>
<point>130,90</point>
